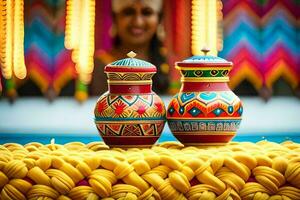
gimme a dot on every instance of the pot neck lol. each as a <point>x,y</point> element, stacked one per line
<point>130,83</point>
<point>204,86</point>
<point>129,89</point>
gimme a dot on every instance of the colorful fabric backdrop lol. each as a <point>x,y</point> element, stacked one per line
<point>48,62</point>
<point>261,37</point>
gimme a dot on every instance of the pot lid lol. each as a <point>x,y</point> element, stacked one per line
<point>130,64</point>
<point>205,60</point>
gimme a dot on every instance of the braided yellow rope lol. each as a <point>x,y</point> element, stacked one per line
<point>77,171</point>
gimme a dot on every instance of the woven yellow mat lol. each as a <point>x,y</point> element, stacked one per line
<point>243,170</point>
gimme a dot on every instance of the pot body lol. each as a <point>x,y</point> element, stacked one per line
<point>205,111</point>
<point>131,120</point>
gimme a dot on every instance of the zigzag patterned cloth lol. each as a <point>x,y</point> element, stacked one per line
<point>48,63</point>
<point>261,38</point>
<point>245,170</point>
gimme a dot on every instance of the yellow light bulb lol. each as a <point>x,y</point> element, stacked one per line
<point>12,39</point>
<point>80,22</point>
<point>205,26</point>
<point>18,42</point>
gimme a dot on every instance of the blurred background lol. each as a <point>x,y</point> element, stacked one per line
<point>260,37</point>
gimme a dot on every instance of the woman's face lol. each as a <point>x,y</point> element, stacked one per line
<point>136,24</point>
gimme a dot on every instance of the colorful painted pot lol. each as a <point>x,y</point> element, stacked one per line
<point>130,114</point>
<point>205,111</point>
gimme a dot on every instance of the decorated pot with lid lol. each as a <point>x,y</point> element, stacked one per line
<point>130,114</point>
<point>205,111</point>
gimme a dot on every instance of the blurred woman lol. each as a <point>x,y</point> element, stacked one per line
<point>136,27</point>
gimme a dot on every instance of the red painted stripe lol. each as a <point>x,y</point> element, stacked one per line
<point>188,138</point>
<point>129,69</point>
<point>204,86</point>
<point>129,140</point>
<point>184,64</point>
<point>130,89</point>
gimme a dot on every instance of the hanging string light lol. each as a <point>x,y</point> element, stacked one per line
<point>79,37</point>
<point>206,30</point>
<point>85,64</point>
<point>12,39</point>
<point>72,24</point>
<point>6,38</point>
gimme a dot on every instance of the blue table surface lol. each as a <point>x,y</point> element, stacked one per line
<point>62,138</point>
<point>35,119</point>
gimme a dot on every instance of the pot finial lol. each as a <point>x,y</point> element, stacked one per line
<point>205,50</point>
<point>131,54</point>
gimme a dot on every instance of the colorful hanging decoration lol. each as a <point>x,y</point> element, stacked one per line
<point>206,17</point>
<point>12,40</point>
<point>177,24</point>
<point>262,40</point>
<point>48,62</point>
<point>79,37</point>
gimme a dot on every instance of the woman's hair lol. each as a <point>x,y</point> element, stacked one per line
<point>160,79</point>
<point>118,5</point>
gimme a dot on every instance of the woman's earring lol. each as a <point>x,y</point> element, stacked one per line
<point>160,32</point>
<point>113,31</point>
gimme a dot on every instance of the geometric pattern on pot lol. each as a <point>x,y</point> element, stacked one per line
<point>129,107</point>
<point>137,129</point>
<point>204,125</point>
<point>129,76</point>
<point>205,104</point>
<point>205,73</point>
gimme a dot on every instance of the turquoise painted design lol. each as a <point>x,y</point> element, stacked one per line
<point>195,111</point>
<point>181,110</point>
<point>208,96</point>
<point>205,59</point>
<point>218,112</point>
<point>187,96</point>
<point>171,110</point>
<point>206,102</point>
<point>230,109</point>
<point>131,62</point>
<point>241,110</point>
<point>229,96</point>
